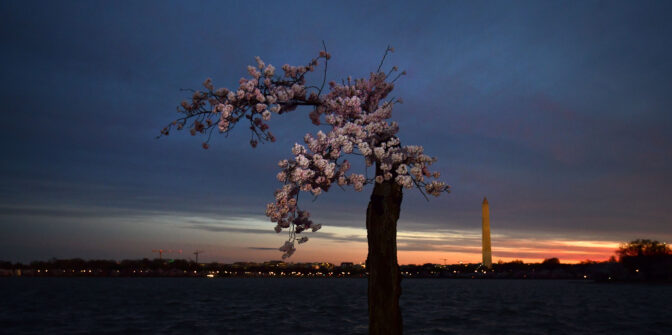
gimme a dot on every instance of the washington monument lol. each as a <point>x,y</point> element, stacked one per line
<point>487,253</point>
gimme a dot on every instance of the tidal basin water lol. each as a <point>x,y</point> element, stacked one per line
<point>327,306</point>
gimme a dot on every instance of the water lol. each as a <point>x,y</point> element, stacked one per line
<point>327,306</point>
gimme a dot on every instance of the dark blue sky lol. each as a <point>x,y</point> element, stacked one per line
<point>559,112</point>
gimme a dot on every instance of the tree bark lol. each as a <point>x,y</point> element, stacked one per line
<point>384,276</point>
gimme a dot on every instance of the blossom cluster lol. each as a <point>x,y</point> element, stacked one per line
<point>357,115</point>
<point>256,99</point>
<point>358,125</point>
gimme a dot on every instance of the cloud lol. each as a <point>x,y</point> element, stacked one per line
<point>226,229</point>
<point>564,141</point>
<point>317,235</point>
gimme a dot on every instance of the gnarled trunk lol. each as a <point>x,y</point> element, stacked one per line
<point>384,277</point>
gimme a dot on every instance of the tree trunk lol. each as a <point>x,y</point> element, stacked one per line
<point>384,277</point>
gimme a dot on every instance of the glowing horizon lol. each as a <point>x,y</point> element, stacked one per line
<point>230,239</point>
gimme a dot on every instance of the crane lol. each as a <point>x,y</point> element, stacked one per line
<point>444,261</point>
<point>196,253</point>
<point>160,251</point>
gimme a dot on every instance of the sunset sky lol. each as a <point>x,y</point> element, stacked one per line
<point>559,112</point>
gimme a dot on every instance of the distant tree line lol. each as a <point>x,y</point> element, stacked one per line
<point>638,260</point>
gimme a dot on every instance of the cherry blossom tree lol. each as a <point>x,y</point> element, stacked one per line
<point>357,115</point>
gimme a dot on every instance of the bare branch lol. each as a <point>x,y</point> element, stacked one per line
<point>389,49</point>
<point>326,62</point>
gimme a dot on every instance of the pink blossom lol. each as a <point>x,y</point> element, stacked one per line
<point>298,149</point>
<point>269,71</point>
<point>260,63</point>
<point>364,148</point>
<point>405,181</point>
<point>302,161</point>
<point>288,249</point>
<point>208,84</point>
<point>222,91</point>
<point>253,72</point>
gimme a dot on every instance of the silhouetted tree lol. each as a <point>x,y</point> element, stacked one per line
<point>643,247</point>
<point>356,114</point>
<point>551,261</point>
<point>646,259</point>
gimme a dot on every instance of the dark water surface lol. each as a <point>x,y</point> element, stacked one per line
<point>327,306</point>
